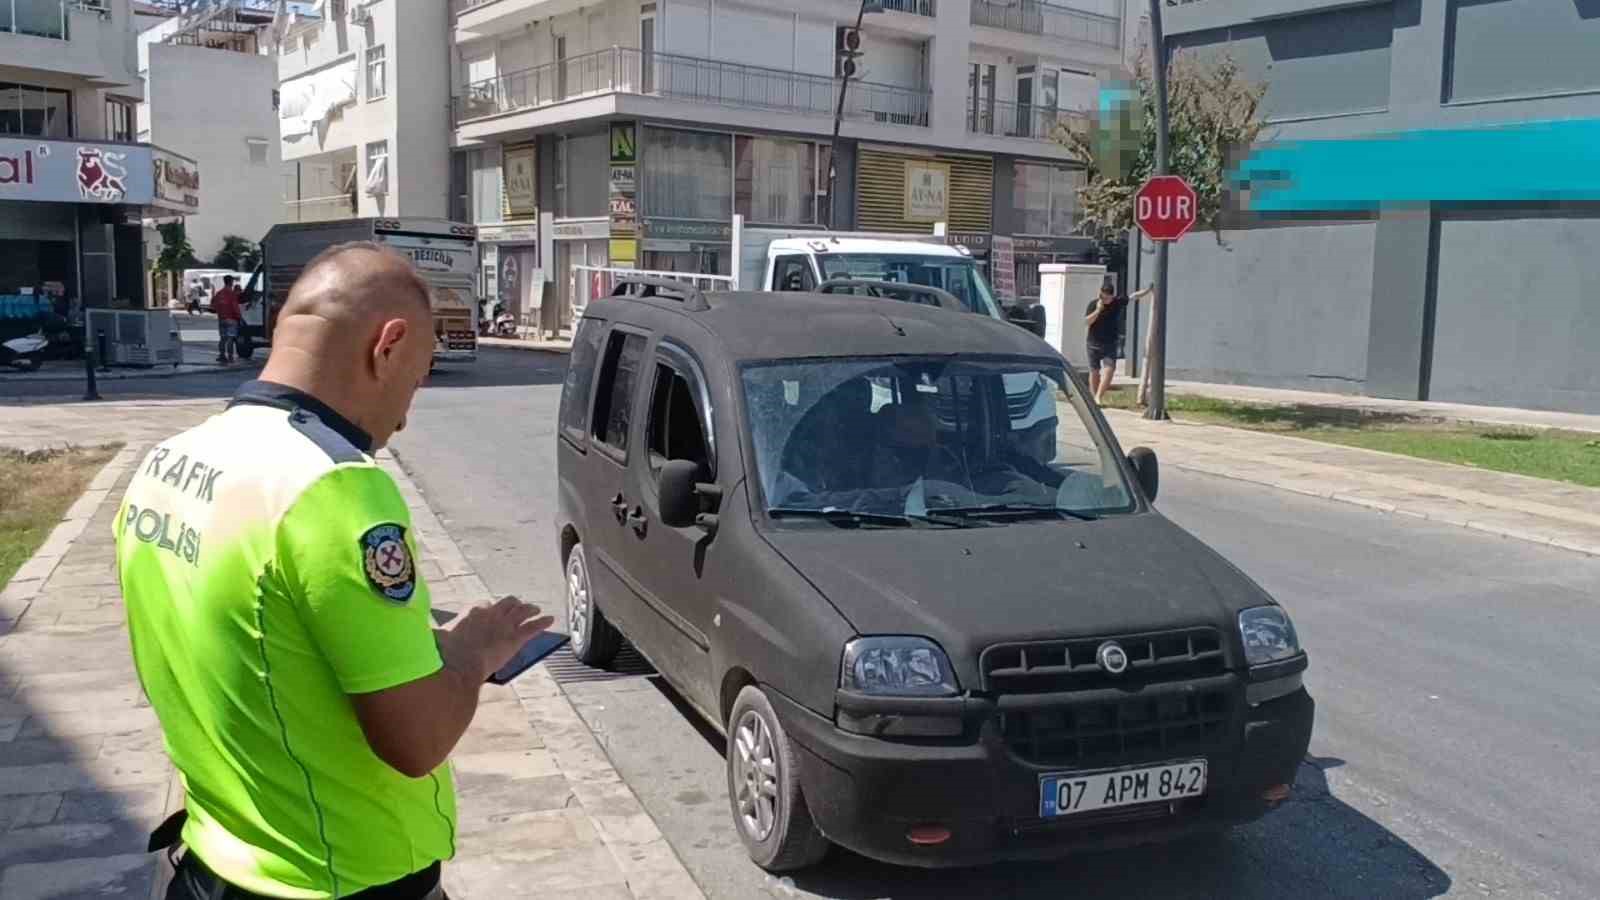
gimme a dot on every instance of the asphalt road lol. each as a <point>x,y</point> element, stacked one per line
<point>1457,677</point>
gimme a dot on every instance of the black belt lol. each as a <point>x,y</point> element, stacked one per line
<point>416,886</point>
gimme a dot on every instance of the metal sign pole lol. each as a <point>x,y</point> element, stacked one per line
<point>1158,312</point>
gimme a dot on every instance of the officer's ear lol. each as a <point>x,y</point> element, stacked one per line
<point>386,351</point>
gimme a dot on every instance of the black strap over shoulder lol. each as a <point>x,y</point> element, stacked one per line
<point>168,833</point>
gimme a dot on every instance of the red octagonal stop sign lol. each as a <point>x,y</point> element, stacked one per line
<point>1165,207</point>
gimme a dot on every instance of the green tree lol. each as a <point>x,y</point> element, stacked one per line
<point>176,254</point>
<point>238,253</point>
<point>1213,112</point>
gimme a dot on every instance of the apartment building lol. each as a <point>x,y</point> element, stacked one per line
<point>75,185</point>
<point>210,88</point>
<point>364,109</point>
<point>1434,237</point>
<point>712,108</point>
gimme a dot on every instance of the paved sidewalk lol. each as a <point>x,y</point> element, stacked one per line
<point>1531,509</point>
<point>83,776</point>
<point>1453,412</point>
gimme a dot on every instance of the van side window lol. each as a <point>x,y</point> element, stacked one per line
<point>580,379</point>
<point>792,273</point>
<point>619,375</point>
<point>676,429</point>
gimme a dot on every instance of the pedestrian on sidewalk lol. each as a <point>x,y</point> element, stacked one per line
<point>281,626</point>
<point>230,312</point>
<point>1107,318</point>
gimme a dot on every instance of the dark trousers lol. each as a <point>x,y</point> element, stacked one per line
<point>193,881</point>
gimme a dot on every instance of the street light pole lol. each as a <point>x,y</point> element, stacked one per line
<point>838,116</point>
<point>1158,313</point>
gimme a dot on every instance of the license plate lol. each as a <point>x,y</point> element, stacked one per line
<point>1068,793</point>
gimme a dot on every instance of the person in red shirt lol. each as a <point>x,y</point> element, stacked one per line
<point>230,312</point>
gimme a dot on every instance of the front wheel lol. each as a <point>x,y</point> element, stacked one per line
<point>769,811</point>
<point>595,641</point>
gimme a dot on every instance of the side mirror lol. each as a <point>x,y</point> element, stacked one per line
<point>1147,470</point>
<point>1030,318</point>
<point>681,495</point>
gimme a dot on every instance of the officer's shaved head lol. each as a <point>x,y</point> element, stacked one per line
<point>357,333</point>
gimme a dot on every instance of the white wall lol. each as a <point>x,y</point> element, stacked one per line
<point>190,117</point>
<point>413,117</point>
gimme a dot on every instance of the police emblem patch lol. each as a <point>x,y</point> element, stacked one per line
<point>387,561</point>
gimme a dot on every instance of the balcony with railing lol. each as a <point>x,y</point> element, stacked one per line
<point>624,70</point>
<point>1052,20</point>
<point>1001,118</point>
<point>914,7</point>
<point>37,18</point>
<point>320,209</point>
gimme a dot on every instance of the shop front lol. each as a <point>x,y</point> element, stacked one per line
<point>1041,220</point>
<point>511,276</point>
<point>72,213</point>
<point>576,243</point>
<point>903,191</point>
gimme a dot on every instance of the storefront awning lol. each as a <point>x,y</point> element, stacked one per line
<point>53,171</point>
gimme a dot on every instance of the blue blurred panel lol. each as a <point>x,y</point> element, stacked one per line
<point>1530,162</point>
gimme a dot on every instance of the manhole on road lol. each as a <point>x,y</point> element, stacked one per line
<point>566,669</point>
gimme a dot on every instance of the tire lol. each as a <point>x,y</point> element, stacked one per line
<point>769,811</point>
<point>595,641</point>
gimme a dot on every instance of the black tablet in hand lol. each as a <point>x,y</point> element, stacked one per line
<point>543,644</point>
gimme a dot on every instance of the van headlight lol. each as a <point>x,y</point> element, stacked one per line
<point>1268,635</point>
<point>897,667</point>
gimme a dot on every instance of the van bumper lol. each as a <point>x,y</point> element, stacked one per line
<point>865,793</point>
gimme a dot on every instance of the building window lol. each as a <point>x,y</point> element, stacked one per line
<point>35,111</point>
<point>119,120</point>
<point>377,168</point>
<point>776,181</point>
<point>377,73</point>
<point>686,174</point>
<point>484,175</point>
<point>561,177</point>
<point>257,148</point>
<point>1046,199</point>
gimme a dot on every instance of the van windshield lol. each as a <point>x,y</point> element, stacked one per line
<point>956,274</point>
<point>929,438</point>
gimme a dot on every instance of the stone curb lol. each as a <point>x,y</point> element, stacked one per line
<point>17,596</point>
<point>77,377</point>
<point>633,839</point>
<point>527,346</point>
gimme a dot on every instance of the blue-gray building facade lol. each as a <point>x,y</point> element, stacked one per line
<point>1472,302</point>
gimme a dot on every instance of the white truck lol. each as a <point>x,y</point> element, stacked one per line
<point>445,254</point>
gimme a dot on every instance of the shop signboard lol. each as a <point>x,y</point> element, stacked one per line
<point>1003,266</point>
<point>522,188</point>
<point>79,171</point>
<point>927,191</point>
<point>976,241</point>
<point>510,277</point>
<point>624,179</point>
<point>581,230</point>
<point>176,182</point>
<point>687,230</point>
<point>624,215</point>
<point>508,234</point>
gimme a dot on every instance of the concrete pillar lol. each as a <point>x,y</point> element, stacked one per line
<point>1400,328</point>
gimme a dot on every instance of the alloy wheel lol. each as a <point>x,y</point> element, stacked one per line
<point>755,775</point>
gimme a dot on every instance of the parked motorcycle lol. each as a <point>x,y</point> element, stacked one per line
<point>27,352</point>
<point>505,325</point>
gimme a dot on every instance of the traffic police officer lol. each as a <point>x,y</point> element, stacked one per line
<point>280,626</point>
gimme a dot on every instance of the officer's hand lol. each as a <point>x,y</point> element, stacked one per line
<point>486,638</point>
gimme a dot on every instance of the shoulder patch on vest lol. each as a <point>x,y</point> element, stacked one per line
<point>387,562</point>
<point>327,440</point>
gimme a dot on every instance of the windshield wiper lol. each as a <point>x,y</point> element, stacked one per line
<point>837,516</point>
<point>1019,510</point>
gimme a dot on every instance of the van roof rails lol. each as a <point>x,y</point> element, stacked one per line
<point>640,286</point>
<point>922,294</point>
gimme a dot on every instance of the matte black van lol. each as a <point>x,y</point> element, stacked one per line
<point>895,556</point>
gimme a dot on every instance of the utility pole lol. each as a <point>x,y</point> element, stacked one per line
<point>847,66</point>
<point>1158,313</point>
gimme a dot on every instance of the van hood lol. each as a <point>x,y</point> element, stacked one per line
<point>969,588</point>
